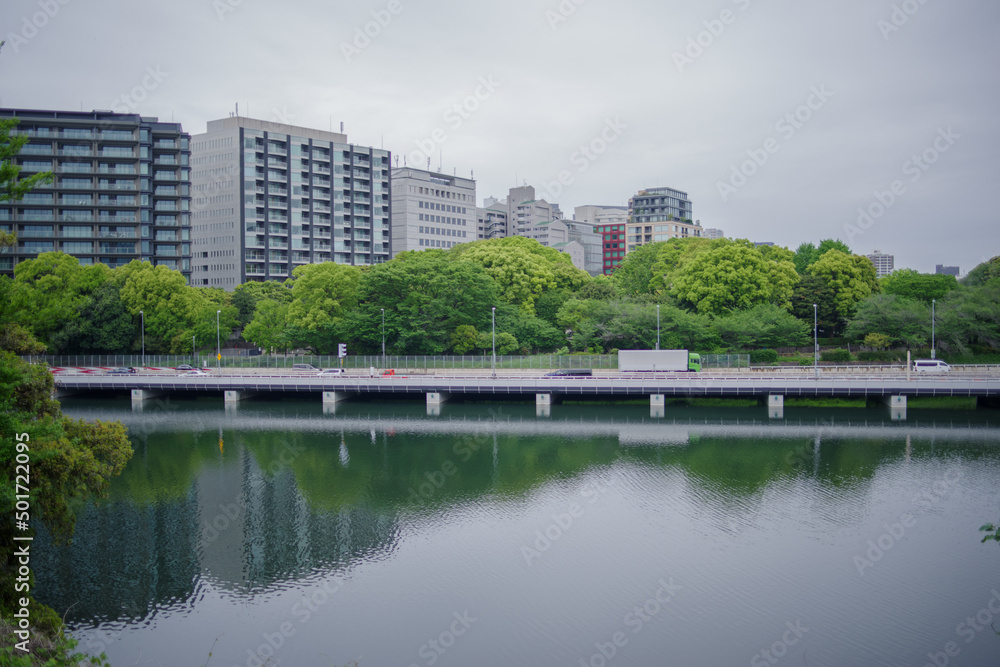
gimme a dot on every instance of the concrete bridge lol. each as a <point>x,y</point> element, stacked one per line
<point>892,387</point>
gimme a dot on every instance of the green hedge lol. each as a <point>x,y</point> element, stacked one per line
<point>881,355</point>
<point>763,356</point>
<point>836,355</point>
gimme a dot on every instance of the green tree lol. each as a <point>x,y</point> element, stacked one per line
<point>52,289</point>
<point>12,186</point>
<point>464,339</point>
<point>914,285</point>
<point>673,256</point>
<point>522,268</point>
<point>983,273</point>
<point>246,297</point>
<point>851,277</point>
<point>322,296</point>
<point>426,296</point>
<point>634,273</point>
<point>70,461</point>
<point>728,276</point>
<point>805,255</point>
<point>764,326</point>
<point>908,320</point>
<point>173,312</point>
<point>102,325</point>
<point>969,319</point>
<point>826,245</point>
<point>269,327</point>
<point>816,290</point>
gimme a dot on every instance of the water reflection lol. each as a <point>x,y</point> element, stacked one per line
<point>257,501</point>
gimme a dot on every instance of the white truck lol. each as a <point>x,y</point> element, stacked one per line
<point>658,360</point>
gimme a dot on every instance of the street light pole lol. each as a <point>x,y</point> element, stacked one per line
<point>816,340</point>
<point>657,326</point>
<point>142,318</point>
<point>383,337</point>
<point>933,322</point>
<point>494,364</point>
<point>218,343</point>
<point>194,354</point>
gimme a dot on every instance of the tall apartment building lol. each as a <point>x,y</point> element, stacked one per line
<point>431,210</point>
<point>120,189</point>
<point>269,197</point>
<point>659,214</point>
<point>946,270</point>
<point>713,233</point>
<point>609,222</point>
<point>491,221</point>
<point>884,264</point>
<point>571,236</point>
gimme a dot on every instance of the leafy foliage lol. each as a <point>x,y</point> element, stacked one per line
<point>920,286</point>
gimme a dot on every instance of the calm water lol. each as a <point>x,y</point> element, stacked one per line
<point>488,536</point>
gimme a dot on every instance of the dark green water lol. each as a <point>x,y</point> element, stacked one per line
<point>489,536</point>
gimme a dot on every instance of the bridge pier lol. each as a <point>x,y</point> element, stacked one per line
<point>776,406</point>
<point>330,400</point>
<point>437,398</point>
<point>897,407</point>
<point>139,396</point>
<point>234,396</point>
<point>543,405</point>
<point>657,405</point>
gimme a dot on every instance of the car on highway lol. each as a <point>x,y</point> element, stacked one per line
<point>195,373</point>
<point>184,367</point>
<point>120,371</point>
<point>930,366</point>
<point>304,367</point>
<point>331,371</point>
<point>570,372</point>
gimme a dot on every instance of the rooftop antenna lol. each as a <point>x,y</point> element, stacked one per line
<point>341,127</point>
<point>428,163</point>
<point>237,109</point>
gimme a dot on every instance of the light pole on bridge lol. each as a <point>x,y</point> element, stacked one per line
<point>816,340</point>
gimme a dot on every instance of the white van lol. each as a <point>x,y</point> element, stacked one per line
<point>930,366</point>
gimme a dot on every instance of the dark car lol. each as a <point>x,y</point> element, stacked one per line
<point>571,372</point>
<point>120,371</point>
<point>184,367</point>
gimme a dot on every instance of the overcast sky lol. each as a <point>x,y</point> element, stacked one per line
<point>779,118</point>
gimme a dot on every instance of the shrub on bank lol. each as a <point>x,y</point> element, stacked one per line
<point>836,355</point>
<point>763,356</point>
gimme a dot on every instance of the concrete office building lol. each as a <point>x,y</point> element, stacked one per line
<point>491,221</point>
<point>571,236</point>
<point>884,264</point>
<point>713,233</point>
<point>946,270</point>
<point>601,215</point>
<point>659,214</point>
<point>120,189</point>
<point>431,210</point>
<point>269,197</point>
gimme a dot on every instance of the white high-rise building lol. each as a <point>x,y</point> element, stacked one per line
<point>601,215</point>
<point>268,197</point>
<point>884,264</point>
<point>431,210</point>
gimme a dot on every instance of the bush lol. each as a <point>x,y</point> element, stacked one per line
<point>806,362</point>
<point>763,356</point>
<point>836,355</point>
